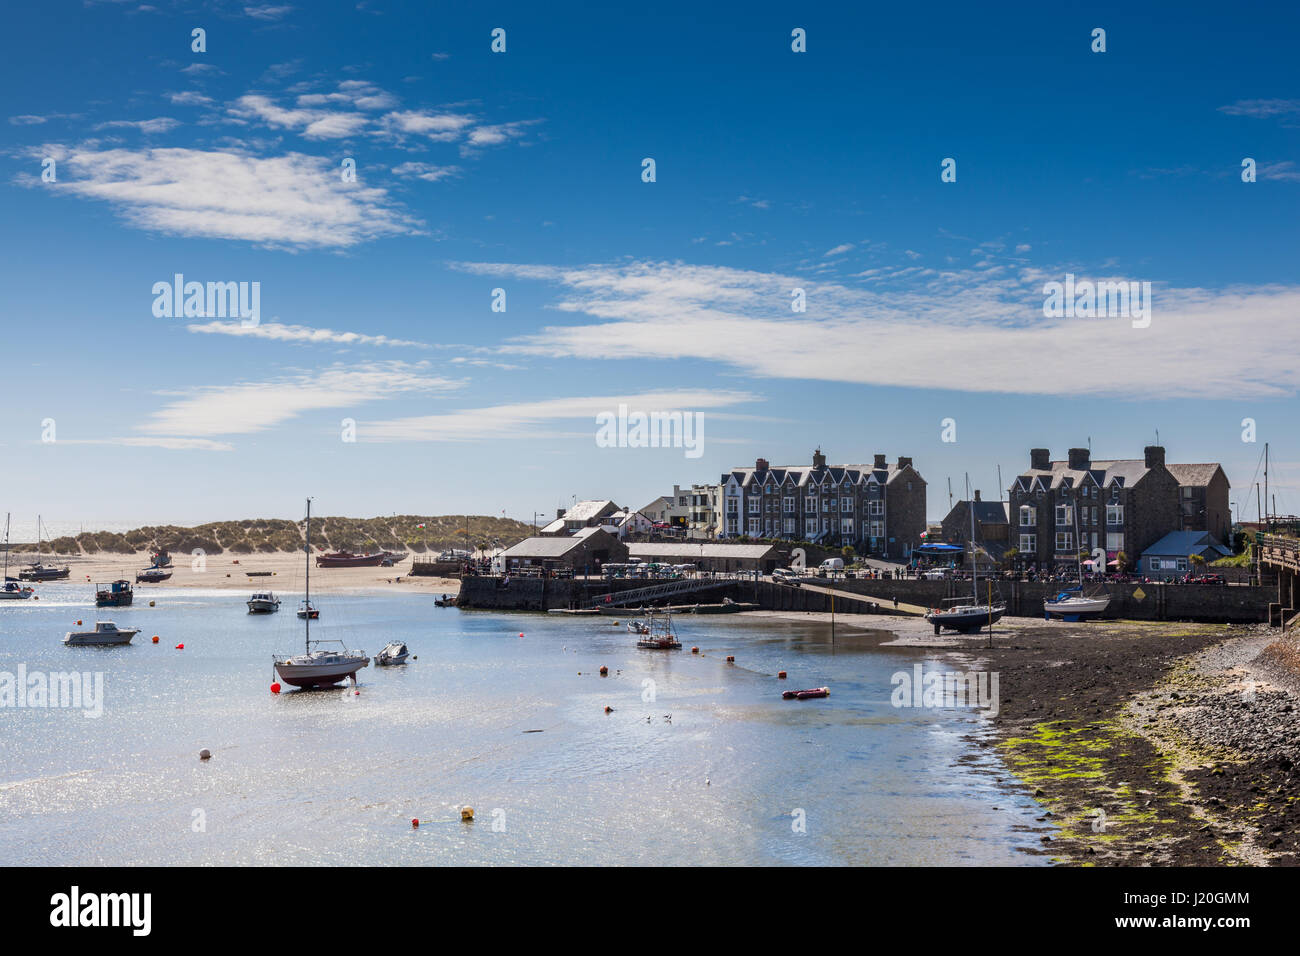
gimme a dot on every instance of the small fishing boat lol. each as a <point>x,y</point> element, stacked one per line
<point>42,572</point>
<point>659,634</point>
<point>346,559</point>
<point>638,627</point>
<point>961,615</point>
<point>307,609</point>
<point>13,591</point>
<point>318,668</point>
<point>152,575</point>
<point>105,634</point>
<point>263,602</point>
<point>394,652</point>
<point>116,594</point>
<point>806,694</point>
<point>445,601</point>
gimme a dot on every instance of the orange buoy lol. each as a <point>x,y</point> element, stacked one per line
<point>155,638</point>
<point>275,688</point>
<point>731,659</point>
<point>609,709</point>
<point>781,675</point>
<point>604,671</point>
<point>415,824</point>
<point>521,633</point>
<point>467,814</point>
<point>695,650</point>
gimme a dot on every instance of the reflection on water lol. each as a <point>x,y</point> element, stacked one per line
<point>698,762</point>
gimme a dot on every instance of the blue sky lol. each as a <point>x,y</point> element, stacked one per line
<point>522,171</point>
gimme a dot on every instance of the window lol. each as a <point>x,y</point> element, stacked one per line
<point>1064,516</point>
<point>753,527</point>
<point>755,505</point>
<point>1028,516</point>
<point>1065,541</point>
<point>1029,544</point>
<point>1114,542</point>
<point>877,529</point>
<point>826,524</point>
<point>1114,514</point>
<point>846,526</point>
<point>789,526</point>
<point>809,526</point>
<point>732,506</point>
<point>832,504</point>
<point>876,508</point>
<point>787,505</point>
<point>810,503</point>
<point>846,504</point>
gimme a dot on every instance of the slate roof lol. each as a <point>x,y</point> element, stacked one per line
<point>691,552</point>
<point>1195,475</point>
<point>1182,543</point>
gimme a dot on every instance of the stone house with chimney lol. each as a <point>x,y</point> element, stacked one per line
<point>876,509</point>
<point>1203,499</point>
<point>1059,508</point>
<point>992,532</point>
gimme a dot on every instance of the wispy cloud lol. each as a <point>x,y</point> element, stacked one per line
<point>525,419</point>
<point>279,332</point>
<point>1261,109</point>
<point>292,200</point>
<point>268,11</point>
<point>161,124</point>
<point>426,171</point>
<point>249,407</point>
<point>979,329</point>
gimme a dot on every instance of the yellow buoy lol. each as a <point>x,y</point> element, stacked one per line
<point>467,814</point>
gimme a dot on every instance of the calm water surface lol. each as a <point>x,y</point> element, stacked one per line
<point>709,772</point>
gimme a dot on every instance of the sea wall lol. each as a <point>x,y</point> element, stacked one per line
<point>1153,602</point>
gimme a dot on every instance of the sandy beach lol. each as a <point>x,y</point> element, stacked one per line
<point>231,571</point>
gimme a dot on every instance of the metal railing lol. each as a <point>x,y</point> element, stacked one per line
<point>655,592</point>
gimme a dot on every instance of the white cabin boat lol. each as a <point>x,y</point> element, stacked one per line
<point>105,634</point>
<point>263,602</point>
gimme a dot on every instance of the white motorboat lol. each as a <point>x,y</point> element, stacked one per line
<point>105,634</point>
<point>307,609</point>
<point>263,602</point>
<point>1073,605</point>
<point>394,652</point>
<point>318,668</point>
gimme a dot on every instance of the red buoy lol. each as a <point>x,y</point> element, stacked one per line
<point>604,671</point>
<point>155,638</point>
<point>521,633</point>
<point>695,650</point>
<point>415,824</point>
<point>180,647</point>
<point>731,659</point>
<point>781,675</point>
<point>275,688</point>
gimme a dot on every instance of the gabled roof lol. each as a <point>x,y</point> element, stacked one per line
<point>1183,543</point>
<point>1196,476</point>
<point>688,551</point>
<point>551,547</point>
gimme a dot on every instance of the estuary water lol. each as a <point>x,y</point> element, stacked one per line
<point>699,762</point>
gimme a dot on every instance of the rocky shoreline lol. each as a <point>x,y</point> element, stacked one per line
<point>1153,743</point>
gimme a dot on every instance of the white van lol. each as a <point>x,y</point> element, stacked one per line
<point>832,564</point>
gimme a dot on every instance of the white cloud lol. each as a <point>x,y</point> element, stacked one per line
<point>268,11</point>
<point>291,200</point>
<point>189,98</point>
<point>26,120</point>
<point>972,329</point>
<point>279,332</point>
<point>248,407</point>
<point>426,171</point>
<point>1261,109</point>
<point>523,419</point>
<point>838,250</point>
<point>161,124</point>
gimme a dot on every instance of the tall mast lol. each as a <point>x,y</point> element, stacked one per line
<point>38,539</point>
<point>6,546</point>
<point>970,503</point>
<point>1268,524</point>
<point>306,618</point>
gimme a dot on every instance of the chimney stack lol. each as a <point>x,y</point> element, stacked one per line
<point>559,513</point>
<point>1155,455</point>
<point>904,462</point>
<point>1079,458</point>
<point>977,494</point>
<point>880,461</point>
<point>819,460</point>
<point>761,464</point>
<point>1040,459</point>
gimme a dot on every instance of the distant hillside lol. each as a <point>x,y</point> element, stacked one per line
<point>401,532</point>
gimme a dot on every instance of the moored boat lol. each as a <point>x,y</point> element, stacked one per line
<point>263,602</point>
<point>659,634</point>
<point>806,694</point>
<point>42,572</point>
<point>307,609</point>
<point>12,590</point>
<point>972,615</point>
<point>1073,605</point>
<point>115,594</point>
<point>318,668</point>
<point>151,576</point>
<point>394,652</point>
<point>105,634</point>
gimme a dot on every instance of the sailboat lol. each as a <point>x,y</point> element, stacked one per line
<point>12,590</point>
<point>318,668</point>
<point>969,617</point>
<point>1072,604</point>
<point>38,571</point>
